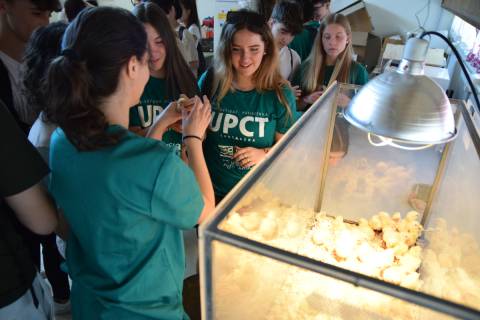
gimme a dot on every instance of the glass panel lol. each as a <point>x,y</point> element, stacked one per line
<point>371,179</point>
<point>349,231</point>
<point>451,262</point>
<point>249,286</point>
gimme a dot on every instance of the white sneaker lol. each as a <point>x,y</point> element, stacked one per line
<point>61,308</point>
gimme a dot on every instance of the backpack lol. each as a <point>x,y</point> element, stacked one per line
<point>202,64</point>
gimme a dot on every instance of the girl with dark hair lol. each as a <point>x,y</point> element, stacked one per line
<point>125,197</point>
<point>170,75</point>
<point>42,48</point>
<point>190,19</point>
<point>253,103</point>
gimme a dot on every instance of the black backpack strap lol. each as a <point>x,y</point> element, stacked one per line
<point>291,59</point>
<point>180,32</point>
<point>6,90</point>
<point>6,96</point>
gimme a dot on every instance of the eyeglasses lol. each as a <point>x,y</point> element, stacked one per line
<point>245,17</point>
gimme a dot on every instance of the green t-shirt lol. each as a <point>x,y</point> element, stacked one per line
<point>358,74</point>
<point>302,43</point>
<point>152,102</point>
<point>126,206</point>
<point>243,119</point>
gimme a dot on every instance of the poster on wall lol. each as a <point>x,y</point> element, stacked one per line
<point>221,9</point>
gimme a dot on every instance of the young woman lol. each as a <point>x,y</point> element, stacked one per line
<point>190,19</point>
<point>330,59</point>
<point>125,197</point>
<point>170,75</point>
<point>252,102</point>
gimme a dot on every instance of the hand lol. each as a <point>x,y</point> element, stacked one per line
<point>297,91</point>
<point>343,100</point>
<point>186,103</point>
<point>312,97</point>
<point>167,118</point>
<point>196,121</point>
<point>169,115</point>
<point>248,157</point>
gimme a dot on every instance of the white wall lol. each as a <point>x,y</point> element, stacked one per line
<point>206,8</point>
<point>126,4</point>
<point>398,16</point>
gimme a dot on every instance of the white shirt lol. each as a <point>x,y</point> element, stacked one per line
<point>189,48</point>
<point>289,60</point>
<point>195,31</point>
<point>15,73</point>
<point>41,132</point>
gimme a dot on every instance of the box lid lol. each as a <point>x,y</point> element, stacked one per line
<point>358,17</point>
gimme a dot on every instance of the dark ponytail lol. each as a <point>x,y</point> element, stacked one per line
<point>42,47</point>
<point>95,48</point>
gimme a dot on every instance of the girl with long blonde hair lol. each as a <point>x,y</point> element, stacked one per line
<point>331,59</point>
<point>252,104</point>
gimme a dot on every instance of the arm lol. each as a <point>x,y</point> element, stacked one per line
<point>168,117</point>
<point>34,209</point>
<point>249,156</point>
<point>195,124</point>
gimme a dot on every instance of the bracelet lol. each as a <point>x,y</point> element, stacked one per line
<point>191,136</point>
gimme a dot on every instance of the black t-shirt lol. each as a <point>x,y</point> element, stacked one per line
<point>21,167</point>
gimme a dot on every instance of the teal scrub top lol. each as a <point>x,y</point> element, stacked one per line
<point>152,102</point>
<point>302,43</point>
<point>243,119</point>
<point>126,206</point>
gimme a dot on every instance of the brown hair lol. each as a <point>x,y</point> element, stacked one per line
<point>179,76</point>
<point>42,47</point>
<point>267,76</point>
<point>96,46</point>
<point>315,71</point>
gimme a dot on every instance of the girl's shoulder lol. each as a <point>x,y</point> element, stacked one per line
<point>358,73</point>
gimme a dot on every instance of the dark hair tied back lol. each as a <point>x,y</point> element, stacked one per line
<point>105,38</point>
<point>70,54</point>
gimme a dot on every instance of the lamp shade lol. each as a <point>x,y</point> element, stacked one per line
<point>404,105</point>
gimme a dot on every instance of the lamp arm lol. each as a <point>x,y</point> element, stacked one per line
<point>460,61</point>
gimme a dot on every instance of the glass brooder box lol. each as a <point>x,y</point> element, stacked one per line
<point>332,226</point>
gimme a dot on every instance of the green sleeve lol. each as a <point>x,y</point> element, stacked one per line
<point>176,198</point>
<point>134,118</point>
<point>284,119</point>
<point>361,75</point>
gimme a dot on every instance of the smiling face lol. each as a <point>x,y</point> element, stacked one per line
<point>156,51</point>
<point>334,40</point>
<point>281,35</point>
<point>247,53</point>
<point>22,17</point>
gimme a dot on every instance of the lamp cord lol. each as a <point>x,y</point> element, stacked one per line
<point>460,61</point>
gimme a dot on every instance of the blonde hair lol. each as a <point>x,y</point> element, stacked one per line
<point>266,78</point>
<point>315,71</point>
